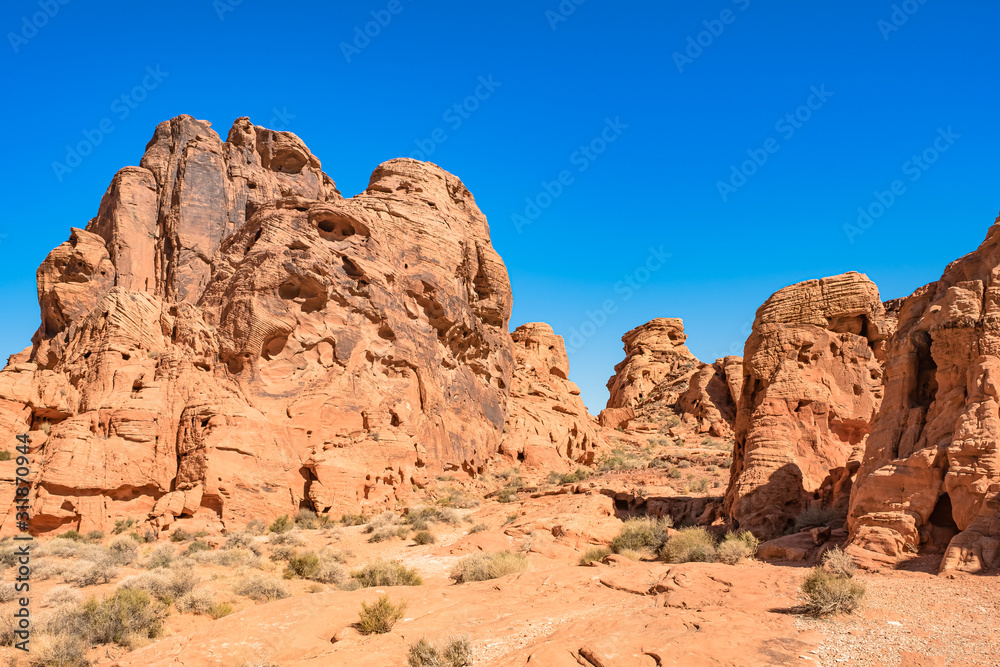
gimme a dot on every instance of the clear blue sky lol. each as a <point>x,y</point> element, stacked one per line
<point>887,93</point>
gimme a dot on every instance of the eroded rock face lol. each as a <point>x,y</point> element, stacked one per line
<point>231,339</point>
<point>712,396</point>
<point>547,424</point>
<point>655,356</point>
<point>812,382</point>
<point>930,477</point>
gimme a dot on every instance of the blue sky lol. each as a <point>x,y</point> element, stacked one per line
<point>647,112</point>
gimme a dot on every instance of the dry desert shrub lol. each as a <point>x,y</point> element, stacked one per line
<point>46,568</point>
<point>282,524</point>
<point>57,650</point>
<point>290,538</point>
<point>60,596</point>
<point>256,527</point>
<point>8,592</point>
<point>424,537</point>
<point>594,555</point>
<point>736,547</point>
<point>91,572</point>
<point>381,616</point>
<point>456,652</point>
<point>260,588</point>
<point>386,573</point>
<point>60,547</point>
<point>236,557</point>
<point>639,533</point>
<point>242,539</point>
<point>690,545</point>
<point>126,617</point>
<point>828,593</point>
<point>478,528</point>
<point>123,550</point>
<point>483,566</point>
<point>838,563</point>
<point>195,602</point>
<point>161,556</point>
<point>813,517</point>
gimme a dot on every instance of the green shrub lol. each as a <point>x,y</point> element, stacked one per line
<point>424,537</point>
<point>282,524</point>
<point>690,545</point>
<point>220,609</point>
<point>72,535</point>
<point>126,617</point>
<point>352,520</point>
<point>699,485</point>
<point>813,517</point>
<point>736,547</point>
<point>196,546</point>
<point>828,593</point>
<point>640,533</point>
<point>180,535</point>
<point>4,455</point>
<point>674,473</point>
<point>381,616</point>
<point>594,555</point>
<point>304,565</point>
<point>386,573</point>
<point>261,589</point>
<point>577,475</point>
<point>483,566</point>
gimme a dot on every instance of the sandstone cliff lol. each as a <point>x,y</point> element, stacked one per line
<point>812,382</point>
<point>230,338</point>
<point>930,477</point>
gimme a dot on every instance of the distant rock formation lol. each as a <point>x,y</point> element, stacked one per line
<point>231,339</point>
<point>655,355</point>
<point>548,425</point>
<point>930,478</point>
<point>712,396</point>
<point>812,382</point>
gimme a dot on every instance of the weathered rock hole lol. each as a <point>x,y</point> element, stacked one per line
<point>273,346</point>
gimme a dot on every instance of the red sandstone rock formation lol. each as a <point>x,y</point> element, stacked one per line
<point>231,339</point>
<point>812,374</point>
<point>654,354</point>
<point>931,473</point>
<point>712,396</point>
<point>547,424</point>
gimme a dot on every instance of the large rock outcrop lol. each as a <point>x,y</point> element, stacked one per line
<point>548,425</point>
<point>229,338</point>
<point>655,356</point>
<point>812,382</point>
<point>930,478</point>
<point>712,396</point>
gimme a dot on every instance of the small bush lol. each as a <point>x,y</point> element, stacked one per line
<point>736,547</point>
<point>196,546</point>
<point>386,573</point>
<point>386,533</point>
<point>478,528</point>
<point>228,558</point>
<point>291,538</point>
<point>424,537</point>
<point>126,617</point>
<point>307,519</point>
<point>182,581</point>
<point>483,566</point>
<point>699,485</point>
<point>94,536</point>
<point>61,596</point>
<point>304,565</point>
<point>508,494</point>
<point>219,609</point>
<point>690,545</point>
<point>195,602</point>
<point>242,539</point>
<point>282,524</point>
<point>684,464</point>
<point>256,527</point>
<point>261,589</point>
<point>161,556</point>
<point>72,535</point>
<point>640,533</point>
<point>594,555</point>
<point>838,563</point>
<point>62,649</point>
<point>381,616</point>
<point>813,517</point>
<point>455,497</point>
<point>180,535</point>
<point>674,473</point>
<point>577,475</point>
<point>157,585</point>
<point>352,520</point>
<point>4,455</point>
<point>8,592</point>
<point>121,525</point>
<point>90,573</point>
<point>426,514</point>
<point>279,554</point>
<point>455,653</point>
<point>46,568</point>
<point>830,594</point>
<point>123,550</point>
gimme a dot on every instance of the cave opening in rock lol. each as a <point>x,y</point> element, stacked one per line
<point>942,516</point>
